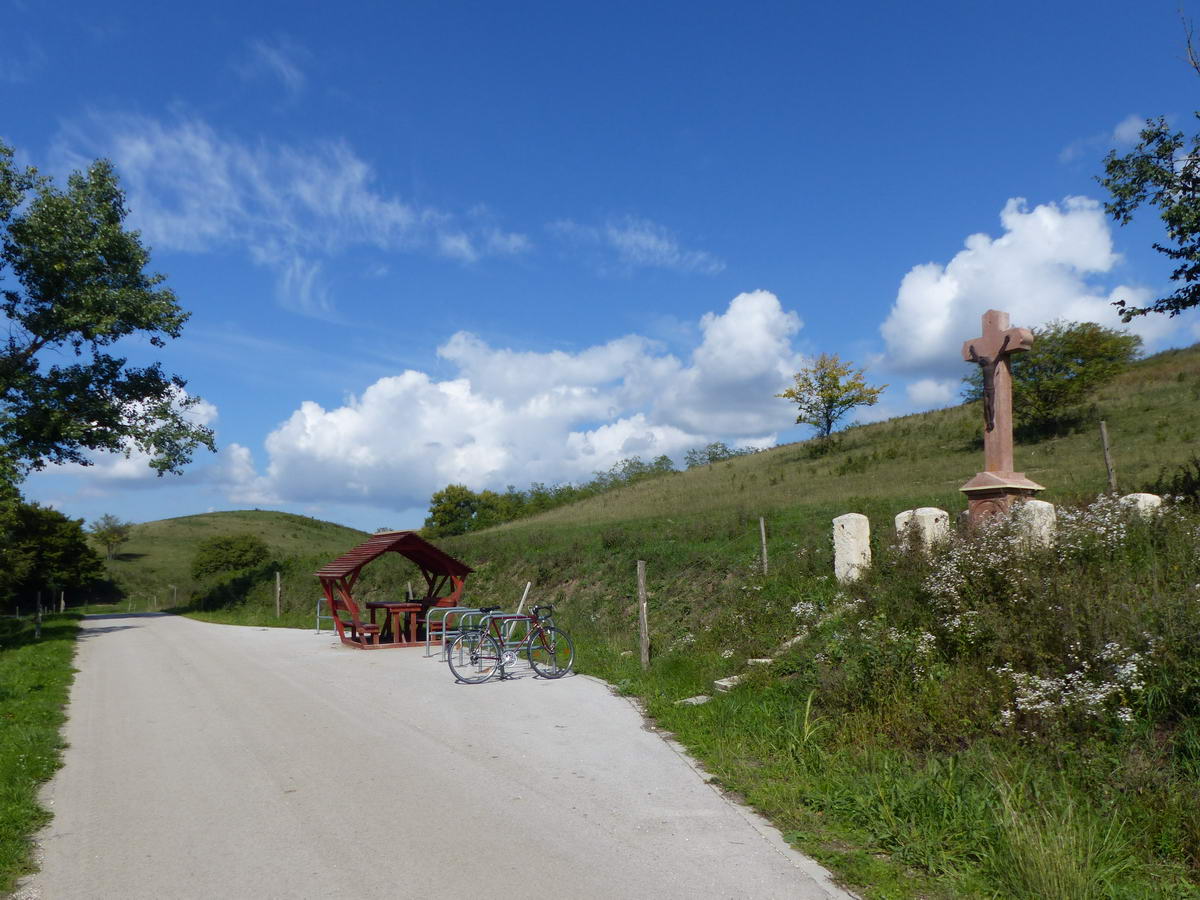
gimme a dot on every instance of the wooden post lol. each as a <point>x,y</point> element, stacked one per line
<point>643,618</point>
<point>278,594</point>
<point>62,602</point>
<point>408,593</point>
<point>762,530</point>
<point>521,605</point>
<point>37,622</point>
<point>1108,463</point>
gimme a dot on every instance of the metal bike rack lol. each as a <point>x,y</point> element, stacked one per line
<point>447,634</point>
<point>321,600</point>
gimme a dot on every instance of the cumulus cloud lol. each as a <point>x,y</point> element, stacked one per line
<point>291,206</point>
<point>512,416</point>
<point>628,243</point>
<point>1044,266</point>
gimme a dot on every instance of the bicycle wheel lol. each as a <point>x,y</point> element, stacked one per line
<point>473,657</point>
<point>551,653</point>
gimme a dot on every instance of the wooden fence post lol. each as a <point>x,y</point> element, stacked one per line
<point>643,618</point>
<point>1108,463</point>
<point>279,595</point>
<point>762,530</point>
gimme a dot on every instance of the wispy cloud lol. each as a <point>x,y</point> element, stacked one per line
<point>280,58</point>
<point>21,61</point>
<point>628,243</point>
<point>292,207</point>
<point>1124,135</point>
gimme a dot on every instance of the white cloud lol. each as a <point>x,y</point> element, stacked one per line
<point>634,243</point>
<point>928,393</point>
<point>290,206</point>
<point>281,59</point>
<point>1128,131</point>
<point>1042,267</point>
<point>1122,138</point>
<point>512,417</point>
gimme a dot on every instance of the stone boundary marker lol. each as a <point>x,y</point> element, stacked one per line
<point>851,546</point>
<point>1037,518</point>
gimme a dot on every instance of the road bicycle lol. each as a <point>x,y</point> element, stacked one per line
<point>479,654</point>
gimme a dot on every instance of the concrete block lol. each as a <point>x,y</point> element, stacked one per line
<point>1037,518</point>
<point>851,546</point>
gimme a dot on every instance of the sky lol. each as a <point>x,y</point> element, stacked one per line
<point>494,244</point>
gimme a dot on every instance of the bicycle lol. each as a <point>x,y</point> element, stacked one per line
<point>477,655</point>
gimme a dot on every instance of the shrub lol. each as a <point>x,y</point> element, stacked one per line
<point>228,553</point>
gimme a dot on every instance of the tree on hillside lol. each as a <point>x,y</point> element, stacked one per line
<point>716,452</point>
<point>1068,363</point>
<point>110,532</point>
<point>1163,171</point>
<point>228,553</point>
<point>828,389</point>
<point>73,285</point>
<point>451,511</point>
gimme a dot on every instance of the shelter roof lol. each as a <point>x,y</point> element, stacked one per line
<point>407,543</point>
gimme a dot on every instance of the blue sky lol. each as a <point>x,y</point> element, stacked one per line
<point>503,243</point>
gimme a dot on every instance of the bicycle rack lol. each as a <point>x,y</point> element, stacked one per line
<point>463,612</point>
<point>321,600</point>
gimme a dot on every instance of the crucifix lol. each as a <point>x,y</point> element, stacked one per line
<point>994,489</point>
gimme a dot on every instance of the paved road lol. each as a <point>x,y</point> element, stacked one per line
<point>211,761</point>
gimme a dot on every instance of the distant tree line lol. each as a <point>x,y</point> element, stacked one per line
<point>456,509</point>
<point>46,553</point>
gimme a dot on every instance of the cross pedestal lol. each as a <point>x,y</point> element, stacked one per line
<point>993,491</point>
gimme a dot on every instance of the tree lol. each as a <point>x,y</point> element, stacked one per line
<point>73,286</point>
<point>110,531</point>
<point>827,390</point>
<point>1163,170</point>
<point>45,551</point>
<point>1069,361</point>
<point>228,553</point>
<point>451,510</point>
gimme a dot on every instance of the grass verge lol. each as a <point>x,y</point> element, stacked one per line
<point>35,679</point>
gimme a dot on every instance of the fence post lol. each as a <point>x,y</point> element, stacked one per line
<point>37,622</point>
<point>762,530</point>
<point>62,602</point>
<point>1108,463</point>
<point>278,594</point>
<point>643,618</point>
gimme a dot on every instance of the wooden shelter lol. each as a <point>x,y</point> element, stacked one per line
<point>404,621</point>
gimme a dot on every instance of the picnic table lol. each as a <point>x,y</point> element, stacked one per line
<point>395,612</point>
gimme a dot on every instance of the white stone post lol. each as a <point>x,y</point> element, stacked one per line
<point>932,524</point>
<point>1037,519</point>
<point>1145,505</point>
<point>851,546</point>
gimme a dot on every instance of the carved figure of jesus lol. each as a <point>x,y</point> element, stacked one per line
<point>988,366</point>
<point>991,352</point>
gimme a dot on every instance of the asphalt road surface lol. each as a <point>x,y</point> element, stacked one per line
<point>211,761</point>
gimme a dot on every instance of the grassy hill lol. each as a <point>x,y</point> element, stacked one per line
<point>155,564</point>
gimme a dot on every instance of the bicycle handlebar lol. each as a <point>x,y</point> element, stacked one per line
<point>537,611</point>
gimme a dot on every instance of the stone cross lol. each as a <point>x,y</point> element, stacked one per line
<point>994,489</point>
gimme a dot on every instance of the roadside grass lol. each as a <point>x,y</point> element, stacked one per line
<point>35,678</point>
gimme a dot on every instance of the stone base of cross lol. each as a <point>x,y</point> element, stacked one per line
<point>994,491</point>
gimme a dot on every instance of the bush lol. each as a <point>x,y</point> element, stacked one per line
<point>228,553</point>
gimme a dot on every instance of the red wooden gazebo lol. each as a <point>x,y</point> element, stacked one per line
<point>403,621</point>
